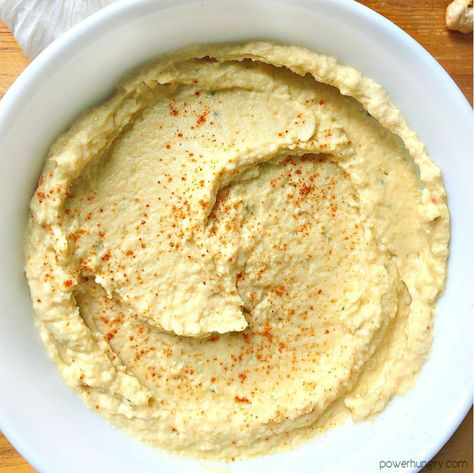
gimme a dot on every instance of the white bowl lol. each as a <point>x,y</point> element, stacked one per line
<point>43,419</point>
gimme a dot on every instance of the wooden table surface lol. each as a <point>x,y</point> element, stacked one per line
<point>422,19</point>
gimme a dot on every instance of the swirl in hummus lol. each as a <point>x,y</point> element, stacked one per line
<point>243,244</point>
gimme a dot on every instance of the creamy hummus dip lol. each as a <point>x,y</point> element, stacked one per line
<point>242,245</point>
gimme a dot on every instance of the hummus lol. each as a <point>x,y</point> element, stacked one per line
<point>242,245</point>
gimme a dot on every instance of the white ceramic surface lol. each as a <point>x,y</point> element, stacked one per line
<point>44,420</point>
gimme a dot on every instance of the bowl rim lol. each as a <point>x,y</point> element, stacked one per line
<point>96,25</point>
